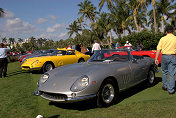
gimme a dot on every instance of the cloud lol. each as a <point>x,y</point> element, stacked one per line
<point>8,14</point>
<point>55,36</point>
<point>12,26</point>
<point>16,25</point>
<point>55,28</point>
<point>52,17</point>
<point>44,20</point>
<point>62,35</point>
<point>41,20</point>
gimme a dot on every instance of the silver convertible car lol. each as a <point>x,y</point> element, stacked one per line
<point>102,77</point>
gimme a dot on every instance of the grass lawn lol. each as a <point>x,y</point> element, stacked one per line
<point>17,101</point>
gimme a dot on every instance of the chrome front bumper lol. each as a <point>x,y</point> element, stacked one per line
<point>63,98</point>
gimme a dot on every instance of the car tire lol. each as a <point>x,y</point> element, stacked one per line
<point>47,67</point>
<point>151,77</point>
<point>81,60</point>
<point>107,94</point>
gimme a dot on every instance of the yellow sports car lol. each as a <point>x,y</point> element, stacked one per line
<point>62,57</point>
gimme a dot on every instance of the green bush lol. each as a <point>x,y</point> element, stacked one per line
<point>147,38</point>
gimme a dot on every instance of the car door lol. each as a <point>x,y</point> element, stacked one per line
<point>138,68</point>
<point>124,76</point>
<point>70,57</point>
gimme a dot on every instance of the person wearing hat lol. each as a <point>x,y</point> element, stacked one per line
<point>3,59</point>
<point>127,44</point>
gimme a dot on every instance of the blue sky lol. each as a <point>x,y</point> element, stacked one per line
<point>38,18</point>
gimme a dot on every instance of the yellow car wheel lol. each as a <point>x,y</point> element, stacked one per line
<point>48,66</point>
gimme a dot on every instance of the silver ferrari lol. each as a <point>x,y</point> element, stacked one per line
<point>102,77</point>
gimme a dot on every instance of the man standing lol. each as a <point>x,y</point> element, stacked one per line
<point>167,46</point>
<point>117,45</point>
<point>128,43</point>
<point>3,60</point>
<point>96,46</point>
<point>78,47</point>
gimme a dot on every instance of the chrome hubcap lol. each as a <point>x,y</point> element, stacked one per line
<point>49,67</point>
<point>108,93</point>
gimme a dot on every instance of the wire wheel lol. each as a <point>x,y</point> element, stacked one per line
<point>47,67</point>
<point>107,93</point>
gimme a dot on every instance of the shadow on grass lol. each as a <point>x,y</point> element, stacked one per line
<point>16,73</point>
<point>136,89</point>
<point>55,116</point>
<point>91,104</point>
<point>37,72</point>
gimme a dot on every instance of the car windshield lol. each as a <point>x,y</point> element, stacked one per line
<point>131,48</point>
<point>37,52</point>
<point>110,55</point>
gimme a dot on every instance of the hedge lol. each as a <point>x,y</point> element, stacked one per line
<point>148,39</point>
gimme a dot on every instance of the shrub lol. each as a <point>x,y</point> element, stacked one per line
<point>147,38</point>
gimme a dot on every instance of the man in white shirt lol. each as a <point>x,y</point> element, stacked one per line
<point>96,46</point>
<point>3,60</point>
<point>127,44</point>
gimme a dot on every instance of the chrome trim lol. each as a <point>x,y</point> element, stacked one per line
<point>80,98</point>
<point>36,68</point>
<point>70,100</point>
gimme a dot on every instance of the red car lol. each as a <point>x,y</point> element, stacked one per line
<point>29,54</point>
<point>149,53</point>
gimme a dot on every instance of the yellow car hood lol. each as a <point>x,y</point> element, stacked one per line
<point>31,60</point>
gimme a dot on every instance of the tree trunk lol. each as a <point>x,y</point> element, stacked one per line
<point>123,28</point>
<point>107,39</point>
<point>139,28</point>
<point>123,32</point>
<point>162,23</point>
<point>154,17</point>
<point>110,36</point>
<point>135,20</point>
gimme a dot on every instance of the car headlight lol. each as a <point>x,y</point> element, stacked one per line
<point>44,78</point>
<point>80,84</point>
<point>35,63</point>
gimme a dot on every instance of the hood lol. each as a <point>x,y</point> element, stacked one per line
<point>62,78</point>
<point>32,59</point>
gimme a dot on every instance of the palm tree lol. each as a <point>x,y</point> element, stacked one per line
<point>104,24</point>
<point>74,28</point>
<point>142,19</point>
<point>172,15</point>
<point>11,40</point>
<point>109,3</point>
<point>151,23</point>
<point>120,16</point>
<point>40,42</point>
<point>4,40</point>
<point>154,15</point>
<point>1,12</point>
<point>61,43</point>
<point>87,10</point>
<point>32,44</point>
<point>20,40</point>
<point>135,7</point>
<point>163,8</point>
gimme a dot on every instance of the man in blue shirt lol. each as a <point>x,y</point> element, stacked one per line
<point>3,60</point>
<point>117,45</point>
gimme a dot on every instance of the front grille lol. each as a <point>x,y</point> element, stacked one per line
<point>54,96</point>
<point>25,67</point>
